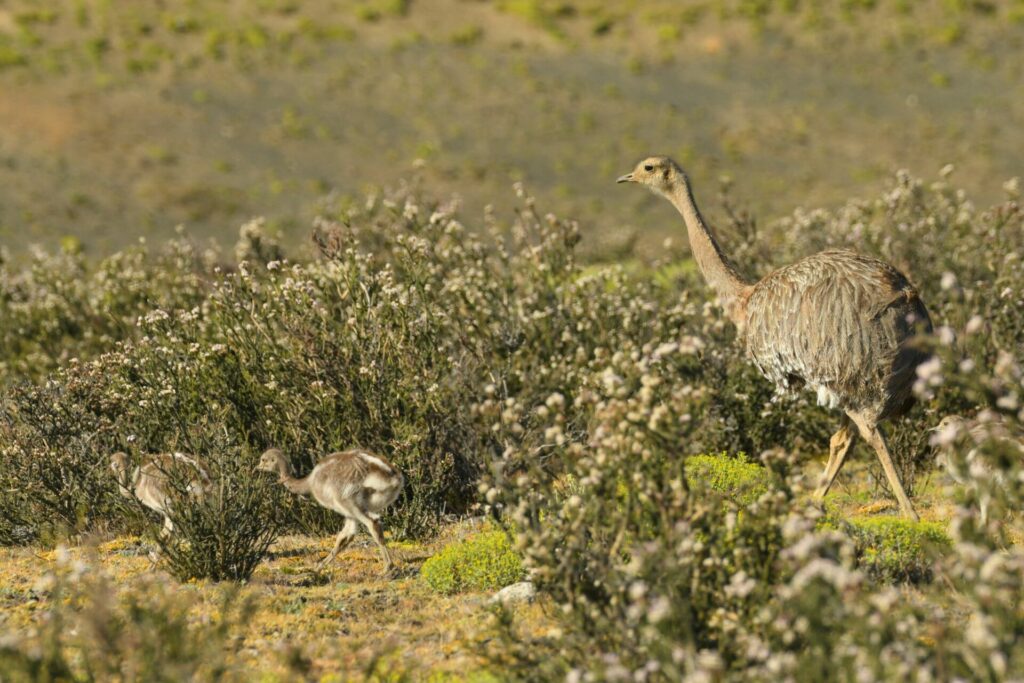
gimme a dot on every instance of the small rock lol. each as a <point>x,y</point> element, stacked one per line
<point>524,591</point>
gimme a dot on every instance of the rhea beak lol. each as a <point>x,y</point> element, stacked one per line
<point>628,178</point>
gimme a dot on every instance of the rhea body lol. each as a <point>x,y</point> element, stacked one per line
<point>837,322</point>
<point>986,428</point>
<point>356,484</point>
<point>152,480</point>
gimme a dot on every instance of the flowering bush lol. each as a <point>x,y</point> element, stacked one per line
<point>655,581</point>
<point>495,370</point>
<point>667,584</point>
<point>58,308</point>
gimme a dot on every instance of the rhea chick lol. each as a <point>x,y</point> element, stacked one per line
<point>356,484</point>
<point>150,482</point>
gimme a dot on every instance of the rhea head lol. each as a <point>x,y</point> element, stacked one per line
<point>119,463</point>
<point>659,174</point>
<point>950,422</point>
<point>271,460</point>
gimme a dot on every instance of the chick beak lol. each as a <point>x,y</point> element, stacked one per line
<point>628,178</point>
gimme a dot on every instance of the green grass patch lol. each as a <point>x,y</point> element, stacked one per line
<point>892,548</point>
<point>740,480</point>
<point>10,56</point>
<point>483,562</point>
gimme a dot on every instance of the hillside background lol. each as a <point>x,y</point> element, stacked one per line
<point>123,120</point>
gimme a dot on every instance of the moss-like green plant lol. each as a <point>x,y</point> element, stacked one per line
<point>892,548</point>
<point>483,562</point>
<point>733,477</point>
<point>898,549</point>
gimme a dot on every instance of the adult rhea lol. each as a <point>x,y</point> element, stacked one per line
<point>836,322</point>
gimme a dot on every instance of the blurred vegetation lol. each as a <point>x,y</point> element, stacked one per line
<point>92,633</point>
<point>898,549</point>
<point>734,477</point>
<point>121,122</point>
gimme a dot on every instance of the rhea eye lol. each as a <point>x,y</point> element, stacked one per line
<point>648,167</point>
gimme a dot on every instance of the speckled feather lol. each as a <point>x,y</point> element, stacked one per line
<point>838,322</point>
<point>369,479</point>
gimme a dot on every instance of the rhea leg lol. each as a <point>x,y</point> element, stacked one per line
<point>378,535</point>
<point>874,437</point>
<point>345,537</point>
<point>373,526</point>
<point>838,448</point>
<point>165,533</point>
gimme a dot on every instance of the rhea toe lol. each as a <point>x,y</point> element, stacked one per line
<point>356,484</point>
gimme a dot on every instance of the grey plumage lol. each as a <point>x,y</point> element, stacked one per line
<point>356,484</point>
<point>838,323</point>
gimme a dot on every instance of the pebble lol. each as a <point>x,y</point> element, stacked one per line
<point>524,591</point>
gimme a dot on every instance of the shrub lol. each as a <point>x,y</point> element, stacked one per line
<point>59,309</point>
<point>55,476</point>
<point>226,533</point>
<point>682,584</point>
<point>16,528</point>
<point>892,549</point>
<point>482,562</point>
<point>897,549</point>
<point>736,478</point>
<point>659,560</point>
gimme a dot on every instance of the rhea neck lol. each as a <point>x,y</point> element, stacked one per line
<point>719,273</point>
<point>287,477</point>
<point>124,482</point>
